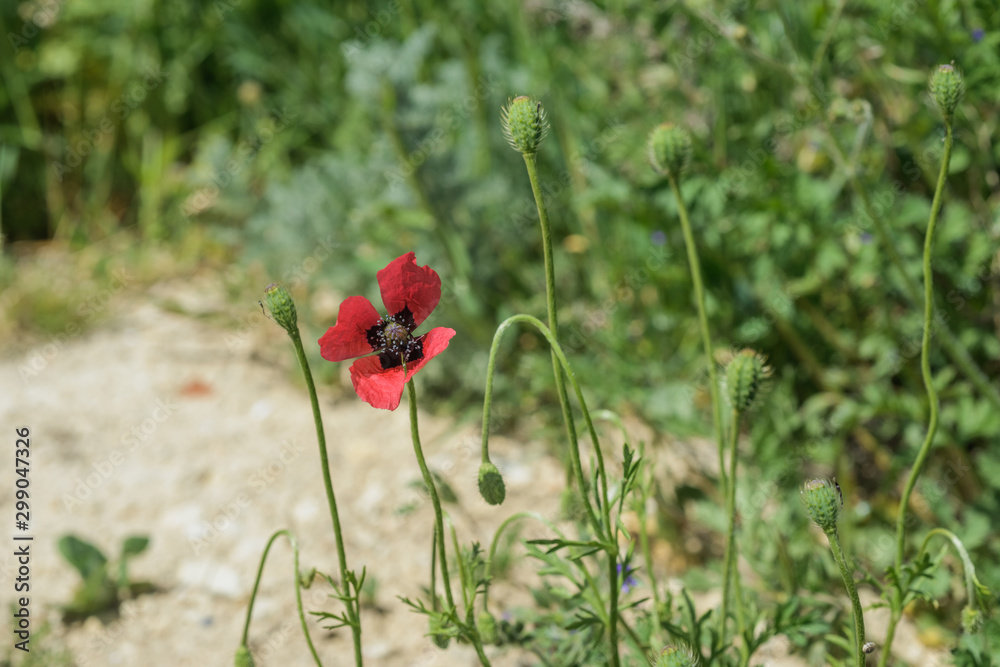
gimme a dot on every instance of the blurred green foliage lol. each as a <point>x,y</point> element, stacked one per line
<point>320,141</point>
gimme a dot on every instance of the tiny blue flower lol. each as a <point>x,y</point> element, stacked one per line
<point>977,34</point>
<point>659,237</point>
<point>628,581</point>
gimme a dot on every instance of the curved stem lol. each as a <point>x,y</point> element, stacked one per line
<point>968,568</point>
<point>852,592</point>
<point>706,337</point>
<point>353,607</point>
<point>550,291</point>
<point>432,490</point>
<point>298,591</point>
<point>925,351</point>
<point>611,543</point>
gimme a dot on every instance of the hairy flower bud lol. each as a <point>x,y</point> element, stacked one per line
<point>486,624</point>
<point>524,124</point>
<point>438,631</point>
<point>243,657</point>
<point>282,308</point>
<point>669,149</point>
<point>674,656</point>
<point>947,87</point>
<point>972,620</point>
<point>491,486</point>
<point>823,501</point>
<point>744,376</point>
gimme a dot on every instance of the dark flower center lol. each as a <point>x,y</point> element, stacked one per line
<point>392,337</point>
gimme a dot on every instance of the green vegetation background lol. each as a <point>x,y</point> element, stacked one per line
<point>312,142</point>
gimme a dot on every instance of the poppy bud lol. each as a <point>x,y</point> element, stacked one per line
<point>947,87</point>
<point>491,486</point>
<point>823,501</point>
<point>438,632</point>
<point>972,620</point>
<point>282,308</point>
<point>669,149</point>
<point>674,656</point>
<point>486,624</point>
<point>744,375</point>
<point>243,657</point>
<point>524,124</point>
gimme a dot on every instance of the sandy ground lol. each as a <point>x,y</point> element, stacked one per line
<point>159,424</point>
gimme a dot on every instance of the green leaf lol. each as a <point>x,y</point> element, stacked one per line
<point>134,545</point>
<point>83,556</point>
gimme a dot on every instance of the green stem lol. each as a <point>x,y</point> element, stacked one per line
<point>647,556</point>
<point>706,338</point>
<point>298,592</point>
<point>730,554</point>
<point>895,613</point>
<point>968,568</point>
<point>550,290</point>
<point>353,607</point>
<point>954,349</point>
<point>925,353</point>
<point>852,591</point>
<point>932,398</point>
<point>432,490</point>
<point>611,543</point>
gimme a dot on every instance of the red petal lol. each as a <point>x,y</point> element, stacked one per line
<point>404,284</point>
<point>435,341</point>
<point>347,338</point>
<point>377,387</point>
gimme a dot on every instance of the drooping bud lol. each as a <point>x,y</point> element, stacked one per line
<point>669,149</point>
<point>823,500</point>
<point>243,657</point>
<point>524,124</point>
<point>972,620</point>
<point>674,656</point>
<point>744,376</point>
<point>486,624</point>
<point>491,486</point>
<point>438,631</point>
<point>947,87</point>
<point>282,308</point>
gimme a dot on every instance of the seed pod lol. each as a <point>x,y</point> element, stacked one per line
<point>947,87</point>
<point>282,308</point>
<point>524,124</point>
<point>823,500</point>
<point>491,486</point>
<point>744,376</point>
<point>669,149</point>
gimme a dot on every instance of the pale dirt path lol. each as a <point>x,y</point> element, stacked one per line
<point>225,437</point>
<point>157,423</point>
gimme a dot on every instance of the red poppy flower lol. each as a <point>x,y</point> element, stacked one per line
<point>410,293</point>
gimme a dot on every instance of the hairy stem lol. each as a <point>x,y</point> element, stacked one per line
<point>298,592</point>
<point>353,611</point>
<point>852,592</point>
